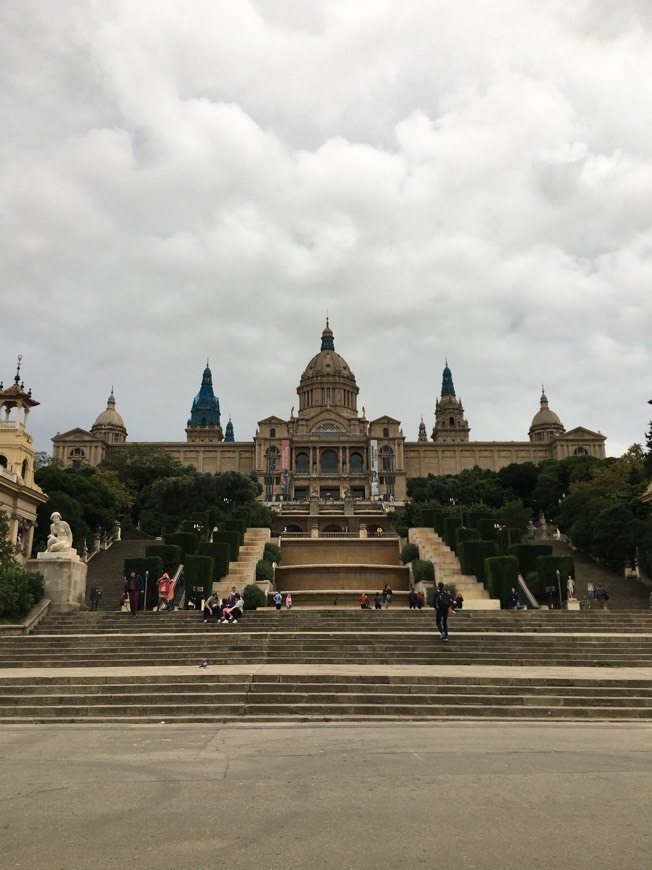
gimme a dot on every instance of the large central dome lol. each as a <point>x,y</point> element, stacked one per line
<point>327,380</point>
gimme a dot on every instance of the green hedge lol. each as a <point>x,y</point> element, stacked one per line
<point>428,518</point>
<point>409,553</point>
<point>232,539</point>
<point>487,529</point>
<point>19,591</point>
<point>476,520</point>
<point>423,571</point>
<point>440,520</point>
<point>502,575</point>
<point>527,555</point>
<point>186,541</point>
<point>220,553</point>
<point>272,553</point>
<point>547,567</point>
<point>264,570</point>
<point>464,534</point>
<point>451,525</point>
<point>198,571</point>
<point>141,565</point>
<point>472,555</point>
<point>169,554</point>
<point>235,525</point>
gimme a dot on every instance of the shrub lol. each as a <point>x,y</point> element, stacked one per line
<point>502,574</point>
<point>19,591</point>
<point>272,553</point>
<point>402,531</point>
<point>428,518</point>
<point>253,597</point>
<point>264,570</point>
<point>464,534</point>
<point>232,539</point>
<point>423,571</point>
<point>198,571</point>
<point>527,555</point>
<point>169,554</point>
<point>472,555</point>
<point>220,553</point>
<point>235,525</point>
<point>186,541</point>
<point>409,553</point>
<point>451,525</point>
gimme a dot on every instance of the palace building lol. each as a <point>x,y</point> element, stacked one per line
<point>329,450</point>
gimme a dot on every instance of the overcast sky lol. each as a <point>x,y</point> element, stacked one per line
<point>461,179</point>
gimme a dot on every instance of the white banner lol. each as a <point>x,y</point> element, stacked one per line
<point>373,467</point>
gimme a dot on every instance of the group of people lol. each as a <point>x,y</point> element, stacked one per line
<point>278,600</point>
<point>224,609</point>
<point>597,592</point>
<point>135,588</point>
<point>381,599</point>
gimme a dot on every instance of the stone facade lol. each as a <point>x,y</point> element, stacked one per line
<point>329,450</point>
<point>19,495</point>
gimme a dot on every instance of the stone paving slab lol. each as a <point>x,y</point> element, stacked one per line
<point>485,672</point>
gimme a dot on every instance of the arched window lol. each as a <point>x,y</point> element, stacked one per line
<point>451,421</point>
<point>328,463</point>
<point>3,461</point>
<point>580,451</point>
<point>24,469</point>
<point>385,432</point>
<point>272,433</point>
<point>77,452</point>
<point>356,463</point>
<point>301,463</point>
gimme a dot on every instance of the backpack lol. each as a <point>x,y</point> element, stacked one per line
<point>442,599</point>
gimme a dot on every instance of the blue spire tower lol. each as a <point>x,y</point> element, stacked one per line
<point>450,424</point>
<point>204,423</point>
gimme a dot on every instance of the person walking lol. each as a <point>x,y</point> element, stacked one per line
<point>278,600</point>
<point>134,588</point>
<point>387,596</point>
<point>442,602</point>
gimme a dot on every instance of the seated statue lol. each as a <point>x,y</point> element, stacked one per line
<point>60,537</point>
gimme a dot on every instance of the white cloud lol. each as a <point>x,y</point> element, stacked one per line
<point>465,179</point>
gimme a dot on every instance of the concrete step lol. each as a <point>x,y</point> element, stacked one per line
<point>207,697</point>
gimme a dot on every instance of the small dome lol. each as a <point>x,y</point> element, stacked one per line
<point>546,425</point>
<point>327,363</point>
<point>544,416</point>
<point>110,417</point>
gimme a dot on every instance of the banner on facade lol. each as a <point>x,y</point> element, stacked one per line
<point>285,466</point>
<point>373,467</point>
<point>285,454</point>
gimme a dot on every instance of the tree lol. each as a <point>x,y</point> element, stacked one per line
<point>171,500</point>
<point>81,497</point>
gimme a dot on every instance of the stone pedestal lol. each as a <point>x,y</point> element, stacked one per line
<point>65,579</point>
<point>572,604</point>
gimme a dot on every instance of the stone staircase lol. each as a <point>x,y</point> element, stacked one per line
<point>210,697</point>
<point>243,572</point>
<point>447,566</point>
<point>329,664</point>
<point>106,570</point>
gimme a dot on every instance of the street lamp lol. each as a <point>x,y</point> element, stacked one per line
<point>559,587</point>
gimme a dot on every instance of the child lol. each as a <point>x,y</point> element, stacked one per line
<point>288,602</point>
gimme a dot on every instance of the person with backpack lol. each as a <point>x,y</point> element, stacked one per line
<point>442,601</point>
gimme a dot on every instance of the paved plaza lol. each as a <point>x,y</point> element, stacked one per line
<point>467,795</point>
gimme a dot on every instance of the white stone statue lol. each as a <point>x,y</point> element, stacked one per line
<point>60,537</point>
<point>570,587</point>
